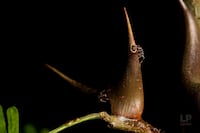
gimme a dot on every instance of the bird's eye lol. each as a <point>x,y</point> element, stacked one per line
<point>133,48</point>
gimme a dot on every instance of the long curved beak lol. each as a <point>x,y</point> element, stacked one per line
<point>132,44</point>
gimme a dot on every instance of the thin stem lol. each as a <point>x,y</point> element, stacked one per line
<point>76,121</point>
<point>115,122</point>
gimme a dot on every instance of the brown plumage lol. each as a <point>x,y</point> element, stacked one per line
<point>128,99</point>
<point>191,57</point>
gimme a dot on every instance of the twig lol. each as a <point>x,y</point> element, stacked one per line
<point>115,122</point>
<point>71,123</point>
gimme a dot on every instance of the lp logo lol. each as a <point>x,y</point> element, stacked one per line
<point>185,120</point>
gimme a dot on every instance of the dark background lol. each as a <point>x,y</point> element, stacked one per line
<point>87,41</point>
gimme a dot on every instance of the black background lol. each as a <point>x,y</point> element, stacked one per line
<point>87,41</point>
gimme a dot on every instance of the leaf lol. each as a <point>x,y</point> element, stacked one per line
<point>44,130</point>
<point>30,128</point>
<point>13,119</point>
<point>2,121</point>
